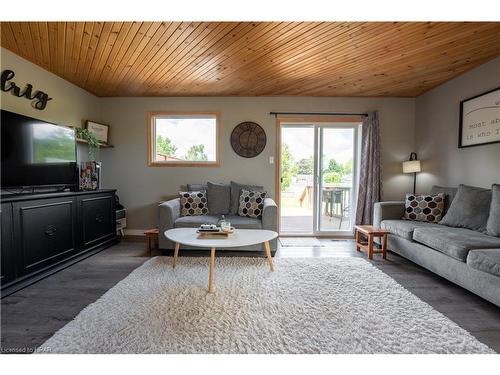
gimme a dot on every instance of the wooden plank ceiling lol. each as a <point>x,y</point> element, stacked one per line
<point>254,58</point>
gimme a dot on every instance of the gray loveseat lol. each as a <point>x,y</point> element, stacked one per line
<point>223,199</point>
<point>469,258</point>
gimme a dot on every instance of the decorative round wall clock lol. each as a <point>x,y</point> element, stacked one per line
<point>248,139</point>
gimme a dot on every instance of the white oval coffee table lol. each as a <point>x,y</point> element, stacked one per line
<point>240,237</point>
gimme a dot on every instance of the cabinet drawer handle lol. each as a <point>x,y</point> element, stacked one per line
<point>50,231</point>
<point>99,217</point>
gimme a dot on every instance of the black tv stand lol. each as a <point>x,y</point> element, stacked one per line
<point>46,232</point>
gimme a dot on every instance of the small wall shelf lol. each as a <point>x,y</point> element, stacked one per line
<point>79,140</point>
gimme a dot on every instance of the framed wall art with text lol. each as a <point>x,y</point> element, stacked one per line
<point>480,119</point>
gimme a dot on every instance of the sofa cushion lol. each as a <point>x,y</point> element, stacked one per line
<point>485,260</point>
<point>455,242</point>
<point>195,221</point>
<point>493,224</point>
<point>449,194</point>
<point>404,228</point>
<point>219,198</point>
<point>244,222</point>
<point>193,203</point>
<point>235,194</point>
<point>428,208</point>
<point>195,187</point>
<point>470,209</point>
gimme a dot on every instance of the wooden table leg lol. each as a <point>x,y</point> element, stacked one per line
<point>211,277</point>
<point>384,246</point>
<point>148,241</point>
<point>268,253</point>
<point>358,239</point>
<point>370,246</point>
<point>176,253</point>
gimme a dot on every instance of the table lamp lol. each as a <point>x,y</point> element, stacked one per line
<point>412,165</point>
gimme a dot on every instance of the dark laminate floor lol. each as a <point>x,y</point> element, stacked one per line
<point>32,315</point>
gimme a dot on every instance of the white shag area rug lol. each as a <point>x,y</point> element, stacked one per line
<point>307,305</point>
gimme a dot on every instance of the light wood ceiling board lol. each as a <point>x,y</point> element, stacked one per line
<point>143,58</point>
<point>191,41</point>
<point>20,42</point>
<point>417,58</point>
<point>359,64</point>
<point>244,59</point>
<point>68,47</point>
<point>170,44</point>
<point>98,64</point>
<point>122,36</point>
<point>212,54</point>
<point>254,58</point>
<point>98,54</point>
<point>75,50</point>
<point>141,40</point>
<point>84,52</point>
<point>342,50</point>
<point>256,72</point>
<point>236,43</point>
<point>100,34</point>
<point>185,53</point>
<point>192,59</point>
<point>241,49</point>
<point>8,38</point>
<point>45,45</point>
<point>124,42</point>
<point>32,29</point>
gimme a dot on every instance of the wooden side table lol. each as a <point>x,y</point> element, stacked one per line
<point>151,238</point>
<point>371,232</point>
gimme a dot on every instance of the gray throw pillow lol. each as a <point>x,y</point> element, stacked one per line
<point>219,198</point>
<point>196,187</point>
<point>235,194</point>
<point>470,209</point>
<point>493,225</point>
<point>449,194</point>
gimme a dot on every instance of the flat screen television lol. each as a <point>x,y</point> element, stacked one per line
<point>36,153</point>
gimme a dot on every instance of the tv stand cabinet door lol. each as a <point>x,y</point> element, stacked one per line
<point>97,214</point>
<point>8,262</point>
<point>45,232</point>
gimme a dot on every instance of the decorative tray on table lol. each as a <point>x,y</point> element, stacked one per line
<point>209,230</point>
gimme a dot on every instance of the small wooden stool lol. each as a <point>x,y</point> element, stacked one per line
<point>151,238</point>
<point>370,231</point>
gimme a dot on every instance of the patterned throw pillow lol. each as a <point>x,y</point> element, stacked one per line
<point>251,203</point>
<point>427,208</point>
<point>193,203</point>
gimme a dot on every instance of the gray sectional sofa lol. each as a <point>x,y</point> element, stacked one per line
<point>469,258</point>
<point>222,200</point>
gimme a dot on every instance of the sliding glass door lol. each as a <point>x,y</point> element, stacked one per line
<point>318,173</point>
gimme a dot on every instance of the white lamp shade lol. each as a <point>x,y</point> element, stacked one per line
<point>411,166</point>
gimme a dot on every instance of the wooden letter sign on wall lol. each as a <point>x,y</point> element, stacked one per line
<point>480,119</point>
<point>39,98</point>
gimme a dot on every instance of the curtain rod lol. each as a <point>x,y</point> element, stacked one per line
<point>319,113</point>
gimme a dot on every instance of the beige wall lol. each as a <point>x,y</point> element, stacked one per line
<point>140,187</point>
<point>437,118</point>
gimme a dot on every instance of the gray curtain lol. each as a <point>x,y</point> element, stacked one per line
<point>370,183</point>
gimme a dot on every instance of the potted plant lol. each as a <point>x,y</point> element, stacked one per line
<point>91,140</point>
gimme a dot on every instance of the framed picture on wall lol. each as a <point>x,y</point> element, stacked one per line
<point>480,119</point>
<point>101,131</point>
